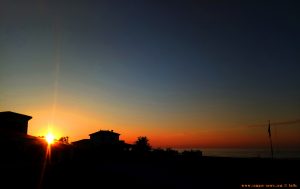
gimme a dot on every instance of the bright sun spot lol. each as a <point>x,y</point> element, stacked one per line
<point>50,138</point>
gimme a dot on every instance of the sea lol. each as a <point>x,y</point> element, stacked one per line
<point>288,153</point>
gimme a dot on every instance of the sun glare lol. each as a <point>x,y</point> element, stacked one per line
<point>50,138</point>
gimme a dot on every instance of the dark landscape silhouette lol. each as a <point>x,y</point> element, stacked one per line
<point>179,94</point>
<point>104,161</point>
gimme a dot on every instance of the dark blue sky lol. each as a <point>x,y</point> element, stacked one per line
<point>234,61</point>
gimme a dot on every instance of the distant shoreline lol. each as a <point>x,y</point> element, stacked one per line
<point>287,153</point>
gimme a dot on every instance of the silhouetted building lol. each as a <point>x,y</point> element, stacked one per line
<point>17,145</point>
<point>105,141</point>
<point>105,137</point>
<point>14,122</point>
<point>14,140</point>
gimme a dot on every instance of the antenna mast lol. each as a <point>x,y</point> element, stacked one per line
<point>270,138</point>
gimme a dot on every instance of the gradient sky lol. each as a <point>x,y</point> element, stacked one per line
<point>182,73</point>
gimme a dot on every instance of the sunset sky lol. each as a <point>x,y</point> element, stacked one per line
<point>183,73</point>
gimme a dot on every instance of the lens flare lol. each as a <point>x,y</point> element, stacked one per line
<point>50,138</point>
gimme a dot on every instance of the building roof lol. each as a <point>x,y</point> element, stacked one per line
<point>9,114</point>
<point>105,132</point>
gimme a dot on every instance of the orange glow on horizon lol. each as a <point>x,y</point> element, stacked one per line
<point>174,132</point>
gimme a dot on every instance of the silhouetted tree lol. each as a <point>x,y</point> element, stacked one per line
<point>192,154</point>
<point>64,140</point>
<point>171,152</point>
<point>141,145</point>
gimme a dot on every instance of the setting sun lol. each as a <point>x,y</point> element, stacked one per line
<point>50,138</point>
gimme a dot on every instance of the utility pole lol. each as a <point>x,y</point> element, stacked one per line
<point>270,138</point>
